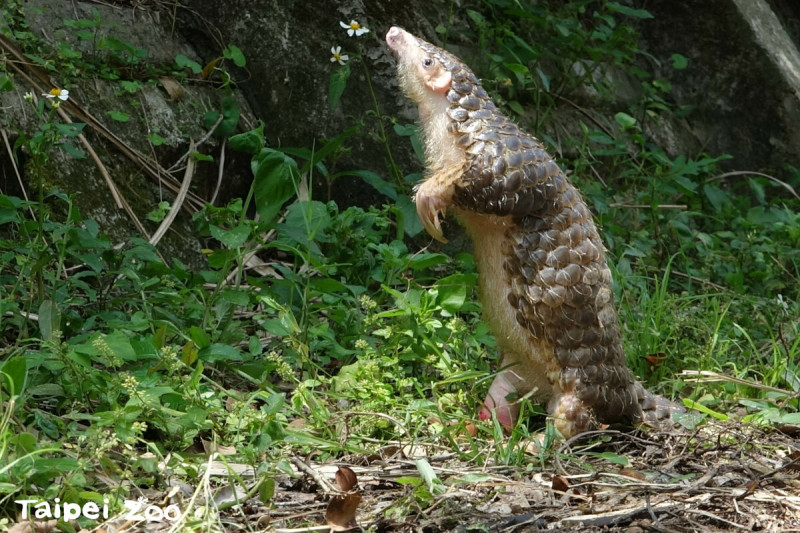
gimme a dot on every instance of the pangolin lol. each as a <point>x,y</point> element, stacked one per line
<point>544,282</point>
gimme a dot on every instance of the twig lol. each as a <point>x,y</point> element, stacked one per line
<point>753,173</point>
<point>179,198</point>
<point>151,168</point>
<point>644,206</point>
<point>700,281</point>
<point>100,166</point>
<point>16,171</point>
<point>205,137</point>
<point>220,172</point>
<point>323,483</point>
<point>707,376</point>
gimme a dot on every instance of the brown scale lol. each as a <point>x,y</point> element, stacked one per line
<point>545,284</point>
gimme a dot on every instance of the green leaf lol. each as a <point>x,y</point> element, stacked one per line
<point>790,418</point>
<point>184,62</point>
<point>119,116</point>
<point>156,139</point>
<point>72,129</point>
<point>625,120</point>
<point>266,490</point>
<point>471,478</point>
<point>234,52</point>
<point>72,151</point>
<point>250,142</point>
<point>426,260</point>
<point>679,62</point>
<point>307,223</point>
<point>13,375</point>
<point>476,17</point>
<point>198,156</point>
<point>378,183</point>
<point>516,107</point>
<point>716,196</point>
<point>232,238</point>
<point>233,296</point>
<point>691,404</point>
<point>625,10</point>
<point>428,475</point>
<point>758,190</point>
<point>120,344</point>
<point>545,79</point>
<point>130,86</point>
<point>611,457</point>
<point>230,118</point>
<point>49,320</point>
<point>412,224</point>
<point>337,84</point>
<point>219,352</point>
<point>521,71</point>
<point>412,131</point>
<point>200,337</point>
<point>6,84</point>
<point>276,178</point>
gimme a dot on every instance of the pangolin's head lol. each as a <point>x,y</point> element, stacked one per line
<point>424,70</point>
<point>452,107</point>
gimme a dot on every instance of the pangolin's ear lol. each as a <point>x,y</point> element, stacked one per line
<point>440,83</point>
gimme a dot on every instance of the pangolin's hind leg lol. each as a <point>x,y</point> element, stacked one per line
<point>507,386</point>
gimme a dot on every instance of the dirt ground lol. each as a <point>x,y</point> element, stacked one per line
<point>721,477</point>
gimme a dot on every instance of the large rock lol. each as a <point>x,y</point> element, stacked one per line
<point>741,79</point>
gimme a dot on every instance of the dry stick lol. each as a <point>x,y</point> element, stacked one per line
<point>644,206</point>
<point>701,281</point>
<point>176,206</point>
<point>220,172</point>
<point>323,483</point>
<point>16,171</point>
<point>100,166</point>
<point>203,139</point>
<point>752,173</point>
<point>707,376</point>
<point>43,76</point>
<point>153,169</point>
<point>121,202</point>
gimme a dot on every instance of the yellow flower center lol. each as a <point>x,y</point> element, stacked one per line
<point>55,92</point>
<point>354,25</point>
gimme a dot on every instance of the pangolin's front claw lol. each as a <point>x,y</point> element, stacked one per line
<point>429,207</point>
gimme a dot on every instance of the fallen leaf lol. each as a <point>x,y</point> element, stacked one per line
<point>630,472</point>
<point>560,484</point>
<point>173,88</point>
<point>655,359</point>
<point>341,512</point>
<point>298,424</point>
<point>209,68</point>
<point>346,479</point>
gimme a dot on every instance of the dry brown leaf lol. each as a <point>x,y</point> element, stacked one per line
<point>560,484</point>
<point>346,479</point>
<point>209,68</point>
<point>298,424</point>
<point>341,512</point>
<point>173,88</point>
<point>635,474</point>
<point>655,359</point>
